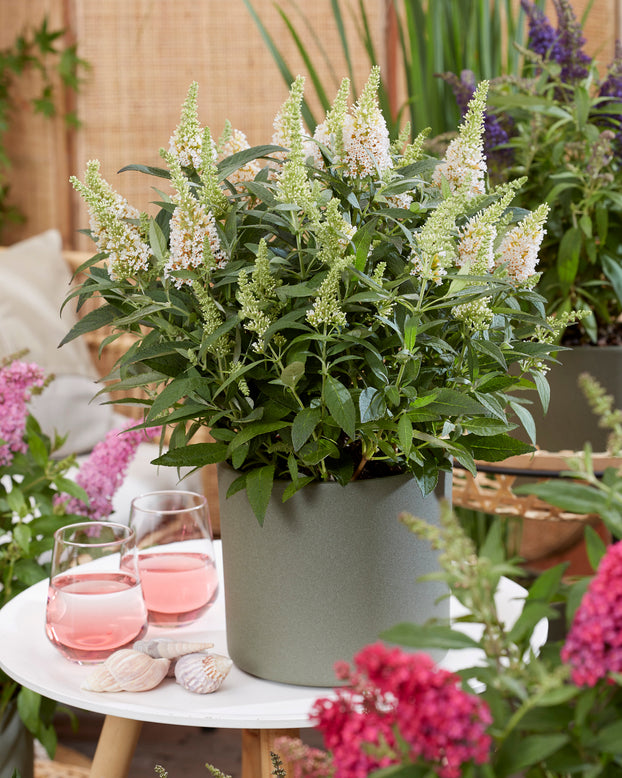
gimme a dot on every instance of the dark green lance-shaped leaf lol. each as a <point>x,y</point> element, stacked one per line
<point>532,613</point>
<point>526,419</point>
<point>613,271</point>
<point>254,430</point>
<point>304,423</point>
<point>533,749</point>
<point>449,402</point>
<point>171,394</point>
<point>193,455</point>
<point>428,636</point>
<point>241,158</point>
<point>595,546</point>
<point>567,495</point>
<point>340,405</point>
<point>609,739</point>
<point>495,448</point>
<point>93,320</point>
<point>315,451</point>
<point>568,256</point>
<point>157,241</point>
<point>371,405</point>
<point>148,169</point>
<point>405,433</point>
<point>259,489</point>
<point>544,390</point>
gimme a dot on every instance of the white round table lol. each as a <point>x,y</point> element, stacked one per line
<point>261,709</point>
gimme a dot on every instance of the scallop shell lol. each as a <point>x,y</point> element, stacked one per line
<point>129,671</point>
<point>202,673</point>
<point>170,648</point>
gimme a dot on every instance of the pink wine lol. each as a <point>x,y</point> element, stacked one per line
<point>91,615</point>
<point>178,587</point>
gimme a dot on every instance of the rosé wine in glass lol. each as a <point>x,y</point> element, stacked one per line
<point>175,556</point>
<point>94,607</point>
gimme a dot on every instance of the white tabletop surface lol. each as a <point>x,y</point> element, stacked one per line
<point>243,701</point>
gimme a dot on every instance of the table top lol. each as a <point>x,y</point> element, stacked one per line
<point>243,701</point>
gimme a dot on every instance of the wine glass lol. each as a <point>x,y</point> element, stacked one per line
<point>175,555</point>
<point>95,604</point>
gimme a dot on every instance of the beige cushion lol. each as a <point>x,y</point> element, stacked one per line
<point>34,280</point>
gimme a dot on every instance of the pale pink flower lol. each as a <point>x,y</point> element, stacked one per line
<point>103,472</point>
<point>17,381</point>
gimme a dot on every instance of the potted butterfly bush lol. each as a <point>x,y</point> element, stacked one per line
<point>39,493</point>
<point>347,317</point>
<point>558,121</point>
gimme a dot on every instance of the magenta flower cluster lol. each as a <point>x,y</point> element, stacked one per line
<point>593,647</point>
<point>397,706</point>
<point>17,381</point>
<point>104,471</point>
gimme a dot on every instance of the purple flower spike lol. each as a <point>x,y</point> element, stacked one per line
<point>570,41</point>
<point>612,88</point>
<point>542,37</point>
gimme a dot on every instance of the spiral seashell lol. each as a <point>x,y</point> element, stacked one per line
<point>170,648</point>
<point>202,673</point>
<point>127,671</point>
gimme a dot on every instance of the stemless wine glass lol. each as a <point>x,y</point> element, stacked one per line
<point>95,604</point>
<point>175,555</point>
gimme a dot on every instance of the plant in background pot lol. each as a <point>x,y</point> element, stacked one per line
<point>39,494</point>
<point>558,122</point>
<point>346,316</point>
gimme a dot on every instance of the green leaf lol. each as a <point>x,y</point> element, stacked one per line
<point>450,403</point>
<point>595,546</point>
<point>291,374</point>
<point>371,405</point>
<point>193,455</point>
<point>567,495</point>
<point>405,433</point>
<point>428,636</point>
<point>568,256</point>
<point>613,271</point>
<point>157,241</point>
<point>341,406</point>
<point>148,169</point>
<point>609,739</point>
<point>93,320</point>
<point>305,422</point>
<point>495,448</point>
<point>253,430</point>
<point>533,749</point>
<point>259,489</point>
<point>22,535</point>
<point>315,451</point>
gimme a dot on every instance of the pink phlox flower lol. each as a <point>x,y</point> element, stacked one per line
<point>103,472</point>
<point>396,697</point>
<point>593,646</point>
<point>17,381</point>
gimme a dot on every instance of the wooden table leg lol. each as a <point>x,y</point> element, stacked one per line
<point>256,747</point>
<point>115,748</point>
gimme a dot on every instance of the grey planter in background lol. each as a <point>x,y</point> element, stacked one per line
<point>570,423</point>
<point>329,570</point>
<point>16,745</point>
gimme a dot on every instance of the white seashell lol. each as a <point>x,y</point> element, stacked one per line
<point>170,648</point>
<point>129,671</point>
<point>202,673</point>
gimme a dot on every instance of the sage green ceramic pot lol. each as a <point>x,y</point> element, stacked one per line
<point>16,745</point>
<point>329,571</point>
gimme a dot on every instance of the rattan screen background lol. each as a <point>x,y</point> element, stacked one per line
<point>144,54</point>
